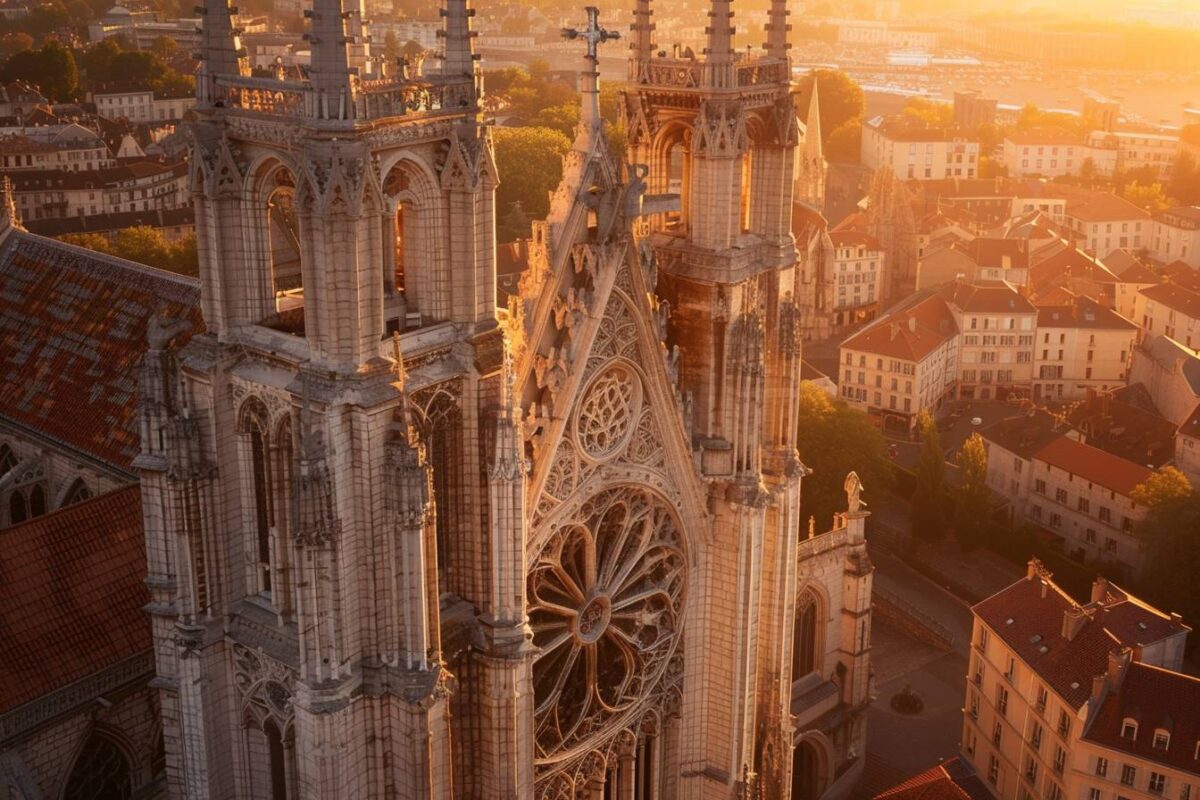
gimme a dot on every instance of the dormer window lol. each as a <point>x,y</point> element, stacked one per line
<point>1129,729</point>
<point>1162,739</point>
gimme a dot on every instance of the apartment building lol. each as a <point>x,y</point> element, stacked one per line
<point>913,151</point>
<point>70,147</point>
<point>1079,700</point>
<point>1170,309</point>
<point>139,186</point>
<point>1138,149</point>
<point>996,350</point>
<point>1075,494</point>
<point>901,363</point>
<point>1081,345</point>
<point>1175,236</point>
<point>858,269</point>
<point>1054,153</point>
<point>141,105</point>
<point>1103,222</point>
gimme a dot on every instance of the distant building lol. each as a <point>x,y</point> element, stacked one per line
<point>1103,222</point>
<point>1081,345</point>
<point>903,362</point>
<point>1079,700</point>
<point>1101,114</point>
<point>1170,309</point>
<point>1170,374</point>
<point>141,105</point>
<point>858,268</point>
<point>71,147</point>
<point>1137,149</point>
<point>912,151</point>
<point>996,353</point>
<point>138,186</point>
<point>971,110</point>
<point>1054,153</point>
<point>1175,236</point>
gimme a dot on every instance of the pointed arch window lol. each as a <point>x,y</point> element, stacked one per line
<point>101,772</point>
<point>8,460</point>
<point>37,501</point>
<point>78,492</point>
<point>253,425</point>
<point>806,642</point>
<point>18,508</point>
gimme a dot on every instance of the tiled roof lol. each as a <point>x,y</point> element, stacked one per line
<point>1175,297</point>
<point>1093,464</point>
<point>1171,355</point>
<point>1156,699</point>
<point>71,586</point>
<point>990,252</point>
<point>853,238</point>
<point>1129,268</point>
<point>986,297</point>
<point>72,332</point>
<point>1084,312</point>
<point>1191,425</point>
<point>1028,617</point>
<point>804,217</point>
<point>1023,435</point>
<point>1124,430</point>
<point>104,223</point>
<point>952,780</point>
<point>1092,206</point>
<point>909,332</point>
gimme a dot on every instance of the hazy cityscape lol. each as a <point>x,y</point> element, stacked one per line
<point>742,399</point>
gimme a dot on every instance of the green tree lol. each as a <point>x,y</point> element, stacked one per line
<point>929,494</point>
<point>144,245</point>
<point>391,47</point>
<point>562,118</point>
<point>1148,196</point>
<point>928,112</point>
<point>1169,530</point>
<point>834,439</point>
<point>844,145</point>
<point>530,163</point>
<point>51,68</point>
<point>840,100</point>
<point>1184,187</point>
<point>972,498</point>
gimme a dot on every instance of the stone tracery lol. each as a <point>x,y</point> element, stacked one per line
<point>605,604</point>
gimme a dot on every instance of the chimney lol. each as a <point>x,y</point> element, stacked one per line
<point>912,324</point>
<point>1099,589</point>
<point>1073,621</point>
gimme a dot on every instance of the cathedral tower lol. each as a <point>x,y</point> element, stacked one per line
<point>403,545</point>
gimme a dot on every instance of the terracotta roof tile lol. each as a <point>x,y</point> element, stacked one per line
<point>71,585</point>
<point>853,238</point>
<point>72,332</point>
<point>910,332</point>
<point>1028,617</point>
<point>1093,464</point>
<point>986,297</point>
<point>1176,297</point>
<point>1156,699</point>
<point>1083,312</point>
<point>1092,206</point>
<point>953,780</point>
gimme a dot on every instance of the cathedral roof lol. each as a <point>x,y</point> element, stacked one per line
<point>72,333</point>
<point>71,586</point>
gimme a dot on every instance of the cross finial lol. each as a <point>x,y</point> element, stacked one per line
<point>593,34</point>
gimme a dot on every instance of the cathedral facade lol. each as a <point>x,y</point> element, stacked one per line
<point>402,543</point>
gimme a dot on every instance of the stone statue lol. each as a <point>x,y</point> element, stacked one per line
<point>853,487</point>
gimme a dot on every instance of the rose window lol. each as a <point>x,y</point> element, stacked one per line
<point>608,411</point>
<point>605,601</point>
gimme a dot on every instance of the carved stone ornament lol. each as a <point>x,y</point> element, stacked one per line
<point>605,604</point>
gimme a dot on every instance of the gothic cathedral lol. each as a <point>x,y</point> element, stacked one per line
<point>405,544</point>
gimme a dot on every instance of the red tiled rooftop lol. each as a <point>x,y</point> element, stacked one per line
<point>72,333</point>
<point>952,780</point>
<point>1093,206</point>
<point>1156,699</point>
<point>1028,617</point>
<point>986,297</point>
<point>853,238</point>
<point>909,333</point>
<point>1094,464</point>
<point>71,585</point>
<point>1176,297</point>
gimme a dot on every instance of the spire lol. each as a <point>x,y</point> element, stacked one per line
<point>331,59</point>
<point>506,496</point>
<point>777,29</point>
<point>812,127</point>
<point>590,123</point>
<point>720,33</point>
<point>220,49</point>
<point>459,44</point>
<point>410,434</point>
<point>643,32</point>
